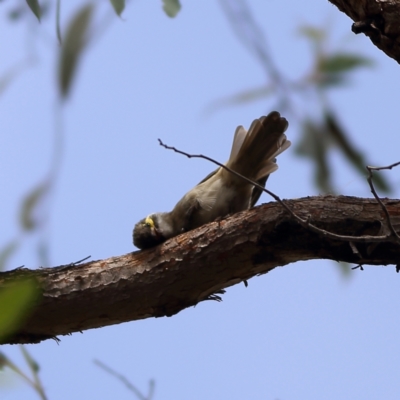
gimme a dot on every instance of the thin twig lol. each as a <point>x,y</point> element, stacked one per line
<point>373,191</point>
<point>126,382</point>
<point>80,261</point>
<point>305,223</point>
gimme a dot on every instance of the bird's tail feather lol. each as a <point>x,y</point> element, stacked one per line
<point>253,153</point>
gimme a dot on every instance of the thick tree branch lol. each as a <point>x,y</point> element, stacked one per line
<point>196,265</point>
<point>377,19</point>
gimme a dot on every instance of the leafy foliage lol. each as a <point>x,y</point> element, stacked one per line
<point>321,132</point>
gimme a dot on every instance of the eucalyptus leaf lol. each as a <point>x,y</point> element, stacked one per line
<point>244,97</point>
<point>314,145</point>
<point>118,5</point>
<point>355,157</point>
<point>342,62</point>
<point>16,300</point>
<point>171,7</point>
<point>35,8</point>
<point>315,34</point>
<point>29,206</point>
<point>33,365</point>
<point>72,48</point>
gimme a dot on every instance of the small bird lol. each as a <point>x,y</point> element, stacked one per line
<point>221,193</point>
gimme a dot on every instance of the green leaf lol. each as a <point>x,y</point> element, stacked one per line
<point>118,5</point>
<point>35,8</point>
<point>71,51</point>
<point>29,205</point>
<point>33,365</point>
<point>171,7</point>
<point>16,300</point>
<point>244,97</point>
<point>342,62</point>
<point>355,157</point>
<point>314,145</point>
<point>333,70</point>
<point>315,34</point>
<point>7,252</point>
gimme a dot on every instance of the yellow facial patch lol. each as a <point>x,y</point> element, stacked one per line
<point>149,221</point>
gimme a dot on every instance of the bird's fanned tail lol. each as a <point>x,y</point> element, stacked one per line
<point>253,153</point>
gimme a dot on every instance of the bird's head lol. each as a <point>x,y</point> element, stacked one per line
<point>147,232</point>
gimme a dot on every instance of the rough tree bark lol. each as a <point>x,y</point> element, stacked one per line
<point>377,19</point>
<point>198,265</point>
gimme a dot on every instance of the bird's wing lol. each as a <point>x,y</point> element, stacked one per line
<point>207,191</point>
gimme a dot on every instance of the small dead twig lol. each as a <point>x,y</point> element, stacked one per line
<point>373,191</point>
<point>304,223</point>
<point>74,263</point>
<point>80,261</point>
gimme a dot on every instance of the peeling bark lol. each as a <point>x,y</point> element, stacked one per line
<point>377,19</point>
<point>198,265</point>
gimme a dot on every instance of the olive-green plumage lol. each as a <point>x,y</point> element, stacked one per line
<point>221,192</point>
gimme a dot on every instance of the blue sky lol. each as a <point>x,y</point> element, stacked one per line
<point>299,332</point>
